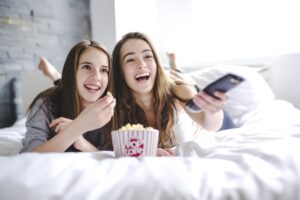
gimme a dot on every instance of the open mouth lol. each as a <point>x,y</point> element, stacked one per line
<point>92,87</point>
<point>143,76</point>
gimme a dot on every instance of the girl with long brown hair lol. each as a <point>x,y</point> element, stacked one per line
<point>144,95</point>
<point>75,114</point>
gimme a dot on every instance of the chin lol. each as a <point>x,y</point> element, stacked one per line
<point>93,99</point>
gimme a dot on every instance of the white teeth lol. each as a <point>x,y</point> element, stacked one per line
<point>142,75</point>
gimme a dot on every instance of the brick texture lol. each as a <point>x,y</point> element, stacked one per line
<point>30,29</point>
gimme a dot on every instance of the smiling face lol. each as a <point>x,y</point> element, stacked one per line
<point>138,66</point>
<point>92,75</point>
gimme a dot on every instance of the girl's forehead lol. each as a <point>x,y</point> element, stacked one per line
<point>134,45</point>
<point>93,55</point>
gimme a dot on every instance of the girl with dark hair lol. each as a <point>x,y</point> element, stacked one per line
<point>75,115</point>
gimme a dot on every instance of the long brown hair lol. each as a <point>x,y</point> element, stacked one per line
<point>63,99</point>
<point>127,109</point>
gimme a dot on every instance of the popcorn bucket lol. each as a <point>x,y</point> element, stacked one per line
<point>135,143</point>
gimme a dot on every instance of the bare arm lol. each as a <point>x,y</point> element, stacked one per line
<point>81,143</point>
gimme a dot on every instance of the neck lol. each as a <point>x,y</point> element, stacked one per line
<point>145,101</point>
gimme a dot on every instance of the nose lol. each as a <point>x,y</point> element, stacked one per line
<point>141,63</point>
<point>95,73</point>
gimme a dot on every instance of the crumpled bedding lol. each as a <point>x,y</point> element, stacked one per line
<point>232,164</point>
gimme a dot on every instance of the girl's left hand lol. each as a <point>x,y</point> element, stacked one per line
<point>165,152</point>
<point>60,124</point>
<point>81,143</point>
<point>210,104</point>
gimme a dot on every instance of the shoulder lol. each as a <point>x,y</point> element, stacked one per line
<point>38,104</point>
<point>39,111</point>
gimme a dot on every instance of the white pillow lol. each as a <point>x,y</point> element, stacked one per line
<point>243,98</point>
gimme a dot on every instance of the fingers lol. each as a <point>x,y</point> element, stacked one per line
<point>109,109</point>
<point>209,103</point>
<point>103,109</point>
<point>58,120</point>
<point>221,95</point>
<point>60,127</point>
<point>106,101</point>
<point>59,124</point>
<point>164,152</point>
<point>170,151</point>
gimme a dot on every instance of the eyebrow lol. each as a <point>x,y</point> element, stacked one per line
<point>86,62</point>
<point>104,66</point>
<point>132,53</point>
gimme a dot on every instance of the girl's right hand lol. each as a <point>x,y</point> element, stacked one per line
<point>97,114</point>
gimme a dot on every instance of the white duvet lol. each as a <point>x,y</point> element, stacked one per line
<point>234,164</point>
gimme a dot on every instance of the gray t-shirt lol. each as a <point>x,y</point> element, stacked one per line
<point>38,130</point>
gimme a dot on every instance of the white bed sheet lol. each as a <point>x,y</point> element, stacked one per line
<point>234,164</point>
<point>260,160</point>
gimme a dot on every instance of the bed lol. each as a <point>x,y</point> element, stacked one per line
<point>257,160</point>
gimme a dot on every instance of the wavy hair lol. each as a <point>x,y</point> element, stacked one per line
<point>127,109</point>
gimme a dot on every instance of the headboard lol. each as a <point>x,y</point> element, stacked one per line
<point>10,99</point>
